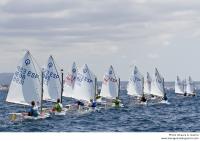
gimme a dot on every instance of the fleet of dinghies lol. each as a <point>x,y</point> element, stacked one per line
<point>138,87</point>
<point>185,87</point>
<point>31,83</point>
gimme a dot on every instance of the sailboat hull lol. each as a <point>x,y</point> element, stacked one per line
<point>179,93</point>
<point>23,116</point>
<point>191,94</point>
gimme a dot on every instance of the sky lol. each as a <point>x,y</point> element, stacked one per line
<point>100,33</point>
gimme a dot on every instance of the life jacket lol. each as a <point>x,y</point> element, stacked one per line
<point>57,107</point>
<point>33,112</point>
<point>94,104</point>
<point>116,102</point>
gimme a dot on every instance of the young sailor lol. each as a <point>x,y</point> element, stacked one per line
<point>98,96</point>
<point>93,103</point>
<point>165,97</point>
<point>143,99</point>
<point>58,106</point>
<point>79,104</point>
<point>33,110</point>
<point>116,102</point>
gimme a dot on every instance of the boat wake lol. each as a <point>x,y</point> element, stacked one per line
<point>164,102</point>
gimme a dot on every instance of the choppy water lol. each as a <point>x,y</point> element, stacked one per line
<point>182,114</point>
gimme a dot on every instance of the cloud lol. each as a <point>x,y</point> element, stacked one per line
<point>114,30</point>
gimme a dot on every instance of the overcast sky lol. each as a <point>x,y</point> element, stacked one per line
<point>147,33</point>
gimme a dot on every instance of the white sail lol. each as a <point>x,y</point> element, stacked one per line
<point>52,81</point>
<point>136,84</point>
<point>26,85</point>
<point>189,86</point>
<point>84,85</point>
<point>157,87</point>
<point>147,84</point>
<point>70,81</point>
<point>179,86</point>
<point>109,85</point>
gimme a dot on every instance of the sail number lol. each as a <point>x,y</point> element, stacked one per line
<point>70,79</point>
<point>81,78</point>
<point>107,78</point>
<point>135,79</point>
<point>48,75</point>
<point>21,73</point>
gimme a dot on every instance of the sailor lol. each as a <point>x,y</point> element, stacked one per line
<point>79,104</point>
<point>116,101</point>
<point>34,110</point>
<point>58,106</point>
<point>93,103</point>
<point>165,97</point>
<point>98,96</point>
<point>143,99</point>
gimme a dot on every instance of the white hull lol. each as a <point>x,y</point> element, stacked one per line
<point>22,116</point>
<point>180,93</point>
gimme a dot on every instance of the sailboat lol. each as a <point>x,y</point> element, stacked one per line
<point>190,87</point>
<point>110,89</point>
<point>109,85</point>
<point>158,88</point>
<point>136,84</point>
<point>147,85</point>
<point>26,86</point>
<point>52,84</point>
<point>70,81</point>
<point>84,87</point>
<point>179,86</point>
<point>52,81</point>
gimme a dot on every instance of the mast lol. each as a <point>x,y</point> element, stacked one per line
<point>164,87</point>
<point>143,86</point>
<point>119,88</point>
<point>61,99</point>
<point>42,90</point>
<point>95,88</point>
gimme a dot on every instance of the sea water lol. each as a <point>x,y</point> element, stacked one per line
<point>182,114</point>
